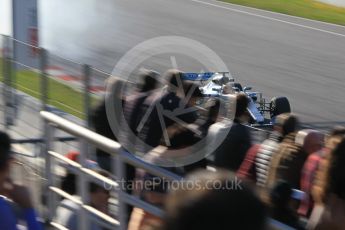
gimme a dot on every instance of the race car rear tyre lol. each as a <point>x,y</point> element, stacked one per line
<point>279,105</point>
<point>239,86</point>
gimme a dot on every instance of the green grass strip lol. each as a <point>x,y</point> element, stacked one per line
<point>301,8</point>
<point>60,95</point>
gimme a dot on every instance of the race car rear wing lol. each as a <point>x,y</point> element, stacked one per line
<point>197,76</point>
<point>204,76</point>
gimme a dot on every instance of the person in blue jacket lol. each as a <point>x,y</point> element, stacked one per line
<point>12,194</point>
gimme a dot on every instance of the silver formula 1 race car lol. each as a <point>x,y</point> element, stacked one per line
<point>261,110</point>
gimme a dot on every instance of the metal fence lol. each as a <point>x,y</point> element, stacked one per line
<point>28,87</point>
<point>47,82</point>
<point>119,158</point>
<point>56,82</point>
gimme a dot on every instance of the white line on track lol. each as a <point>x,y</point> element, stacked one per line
<point>269,18</point>
<point>277,13</point>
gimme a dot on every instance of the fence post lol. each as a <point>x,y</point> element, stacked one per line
<point>48,139</point>
<point>4,75</point>
<point>44,78</point>
<point>120,175</point>
<point>9,109</point>
<point>83,187</point>
<point>87,101</point>
<point>86,75</point>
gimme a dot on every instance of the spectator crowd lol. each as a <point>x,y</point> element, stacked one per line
<point>295,178</point>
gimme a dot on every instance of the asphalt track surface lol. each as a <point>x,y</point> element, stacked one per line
<point>278,55</point>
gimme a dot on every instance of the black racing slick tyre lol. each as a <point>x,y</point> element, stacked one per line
<point>238,86</point>
<point>279,105</point>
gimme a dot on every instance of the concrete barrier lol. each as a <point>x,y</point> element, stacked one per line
<point>340,3</point>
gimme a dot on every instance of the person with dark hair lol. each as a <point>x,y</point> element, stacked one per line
<point>68,182</point>
<point>162,108</point>
<point>329,191</point>
<point>181,141</point>
<point>213,200</point>
<point>258,159</point>
<point>101,120</point>
<point>19,195</point>
<point>133,108</point>
<point>242,102</point>
<point>231,152</point>
<point>67,211</point>
<point>213,106</point>
<point>149,80</point>
<point>312,165</point>
<point>99,195</point>
<point>5,150</point>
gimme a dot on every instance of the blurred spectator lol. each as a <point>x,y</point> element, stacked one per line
<point>288,162</point>
<point>213,200</point>
<point>170,102</point>
<point>67,211</point>
<point>311,166</point>
<point>214,106</point>
<point>219,130</point>
<point>149,80</point>
<point>68,182</point>
<point>212,116</point>
<point>247,169</point>
<point>180,134</point>
<point>100,119</point>
<point>329,192</point>
<point>134,109</point>
<point>230,154</point>
<point>281,208</point>
<point>18,195</point>
<point>258,159</point>
<point>178,102</point>
<point>155,189</point>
